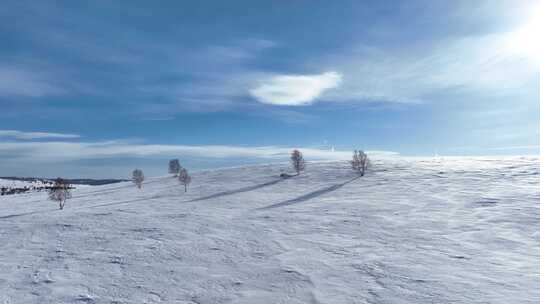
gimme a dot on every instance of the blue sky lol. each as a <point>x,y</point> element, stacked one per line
<point>97,88</point>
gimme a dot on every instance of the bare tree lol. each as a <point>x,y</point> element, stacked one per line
<point>360,162</point>
<point>184,178</point>
<point>364,162</point>
<point>355,162</point>
<point>174,167</point>
<point>60,192</point>
<point>138,177</point>
<point>297,161</point>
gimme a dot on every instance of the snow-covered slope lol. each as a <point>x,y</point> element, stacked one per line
<point>410,231</point>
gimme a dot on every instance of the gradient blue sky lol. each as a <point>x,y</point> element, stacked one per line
<point>96,88</point>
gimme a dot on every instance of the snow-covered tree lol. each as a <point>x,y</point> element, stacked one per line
<point>60,192</point>
<point>360,162</point>
<point>184,178</point>
<point>138,177</point>
<point>297,161</point>
<point>174,167</point>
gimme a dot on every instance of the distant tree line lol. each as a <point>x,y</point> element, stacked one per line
<point>47,185</point>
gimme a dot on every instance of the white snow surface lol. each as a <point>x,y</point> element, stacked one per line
<point>19,184</point>
<point>458,230</point>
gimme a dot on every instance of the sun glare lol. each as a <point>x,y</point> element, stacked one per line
<point>525,41</point>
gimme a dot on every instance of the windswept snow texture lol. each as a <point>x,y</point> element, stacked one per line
<point>410,231</point>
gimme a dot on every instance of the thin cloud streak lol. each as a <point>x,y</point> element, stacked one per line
<point>26,82</point>
<point>527,147</point>
<point>34,135</point>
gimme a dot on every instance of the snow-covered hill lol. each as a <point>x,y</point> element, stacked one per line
<point>410,231</point>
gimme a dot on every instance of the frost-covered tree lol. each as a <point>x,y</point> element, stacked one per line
<point>60,192</point>
<point>137,177</point>
<point>360,162</point>
<point>184,178</point>
<point>297,161</point>
<point>174,167</point>
<point>355,162</point>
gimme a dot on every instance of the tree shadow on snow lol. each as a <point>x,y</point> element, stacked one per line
<point>224,193</point>
<point>21,214</point>
<point>309,196</point>
<point>231,192</point>
<point>81,207</point>
<point>127,201</point>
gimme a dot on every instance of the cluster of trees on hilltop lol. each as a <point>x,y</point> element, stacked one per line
<point>175,168</point>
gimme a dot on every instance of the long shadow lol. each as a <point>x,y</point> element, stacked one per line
<point>78,208</point>
<point>21,214</point>
<point>240,190</point>
<point>109,190</point>
<point>123,202</point>
<point>308,196</point>
<point>224,193</point>
<point>230,192</point>
<point>85,207</point>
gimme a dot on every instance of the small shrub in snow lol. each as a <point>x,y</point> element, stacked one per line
<point>297,161</point>
<point>184,178</point>
<point>138,177</point>
<point>360,162</point>
<point>174,167</point>
<point>60,192</point>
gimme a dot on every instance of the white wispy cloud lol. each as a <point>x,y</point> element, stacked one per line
<point>34,135</point>
<point>60,151</point>
<point>242,49</point>
<point>25,82</point>
<point>523,147</point>
<point>295,90</point>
